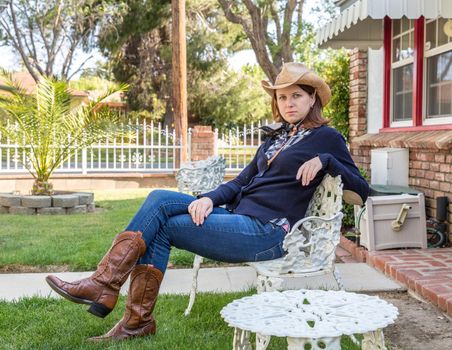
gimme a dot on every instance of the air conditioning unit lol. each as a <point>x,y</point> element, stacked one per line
<point>389,166</point>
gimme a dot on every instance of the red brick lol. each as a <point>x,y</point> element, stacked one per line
<point>443,299</point>
<point>445,168</point>
<point>440,158</point>
<point>449,307</point>
<point>445,186</point>
<point>379,264</point>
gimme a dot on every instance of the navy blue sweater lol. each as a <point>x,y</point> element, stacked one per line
<point>269,192</point>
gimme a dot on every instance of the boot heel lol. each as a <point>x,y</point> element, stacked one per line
<point>99,310</point>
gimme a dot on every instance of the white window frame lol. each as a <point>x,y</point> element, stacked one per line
<point>398,64</point>
<point>427,54</point>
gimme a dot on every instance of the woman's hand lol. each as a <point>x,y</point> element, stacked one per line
<point>309,170</point>
<point>199,209</point>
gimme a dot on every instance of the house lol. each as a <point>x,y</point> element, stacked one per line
<point>114,101</point>
<point>26,82</point>
<point>400,85</point>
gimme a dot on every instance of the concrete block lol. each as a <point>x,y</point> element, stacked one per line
<point>22,211</point>
<point>9,200</point>
<point>90,208</point>
<point>78,209</point>
<point>4,210</point>
<point>36,201</point>
<point>51,211</point>
<point>65,200</point>
<point>85,197</point>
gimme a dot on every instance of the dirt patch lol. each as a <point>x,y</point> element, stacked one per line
<point>419,326</point>
<point>16,268</point>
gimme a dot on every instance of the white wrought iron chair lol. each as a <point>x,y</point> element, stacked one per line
<point>199,177</point>
<point>310,245</point>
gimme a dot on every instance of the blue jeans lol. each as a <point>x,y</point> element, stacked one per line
<point>224,236</point>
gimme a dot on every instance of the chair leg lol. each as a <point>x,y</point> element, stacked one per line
<point>338,278</point>
<point>268,284</point>
<point>262,341</point>
<point>194,285</point>
<point>374,341</point>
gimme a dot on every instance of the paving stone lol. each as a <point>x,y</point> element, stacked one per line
<point>90,208</point>
<point>86,197</point>
<point>4,210</point>
<point>76,209</point>
<point>428,272</point>
<point>9,200</point>
<point>51,211</point>
<point>36,201</point>
<point>22,210</point>
<point>65,200</point>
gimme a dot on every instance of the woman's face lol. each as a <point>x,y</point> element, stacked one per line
<point>294,103</point>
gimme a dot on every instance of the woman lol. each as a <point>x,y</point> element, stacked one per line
<point>268,196</point>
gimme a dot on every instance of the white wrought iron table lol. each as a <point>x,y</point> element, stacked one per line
<point>314,317</point>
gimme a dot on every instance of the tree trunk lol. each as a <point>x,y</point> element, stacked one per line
<point>179,73</point>
<point>42,188</point>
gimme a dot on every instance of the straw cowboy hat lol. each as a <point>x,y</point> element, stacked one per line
<point>298,73</point>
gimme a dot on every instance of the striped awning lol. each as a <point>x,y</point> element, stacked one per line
<point>360,25</point>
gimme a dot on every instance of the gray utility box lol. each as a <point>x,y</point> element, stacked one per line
<point>378,223</point>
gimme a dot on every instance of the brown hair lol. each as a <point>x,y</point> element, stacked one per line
<point>314,119</point>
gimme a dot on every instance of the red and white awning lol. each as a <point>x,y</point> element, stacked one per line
<point>361,25</point>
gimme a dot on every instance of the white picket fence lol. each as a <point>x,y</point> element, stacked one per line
<point>239,145</point>
<point>153,148</point>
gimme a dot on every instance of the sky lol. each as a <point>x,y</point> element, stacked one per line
<point>11,61</point>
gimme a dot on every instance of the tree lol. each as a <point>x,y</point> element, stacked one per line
<point>140,50</point>
<point>39,124</point>
<point>47,34</point>
<point>230,98</point>
<point>271,49</point>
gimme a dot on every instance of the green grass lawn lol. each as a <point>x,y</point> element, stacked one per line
<point>38,323</point>
<point>71,242</point>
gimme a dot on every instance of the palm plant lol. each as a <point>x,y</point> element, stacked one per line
<point>47,127</point>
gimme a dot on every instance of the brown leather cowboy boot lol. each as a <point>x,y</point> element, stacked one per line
<point>101,289</point>
<point>137,320</point>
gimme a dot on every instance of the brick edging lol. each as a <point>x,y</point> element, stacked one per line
<point>359,253</point>
<point>426,272</point>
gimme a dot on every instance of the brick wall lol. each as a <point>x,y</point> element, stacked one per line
<point>202,142</point>
<point>431,172</point>
<point>430,166</point>
<point>358,93</point>
<point>430,159</point>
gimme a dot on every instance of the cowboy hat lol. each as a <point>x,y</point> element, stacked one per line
<point>297,73</point>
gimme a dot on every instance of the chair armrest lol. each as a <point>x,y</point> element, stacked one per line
<point>311,244</point>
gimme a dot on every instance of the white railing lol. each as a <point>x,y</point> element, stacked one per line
<point>239,145</point>
<point>150,148</point>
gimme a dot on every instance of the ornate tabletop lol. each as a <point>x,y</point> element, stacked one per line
<point>311,314</point>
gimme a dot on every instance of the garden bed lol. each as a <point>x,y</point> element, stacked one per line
<point>60,203</point>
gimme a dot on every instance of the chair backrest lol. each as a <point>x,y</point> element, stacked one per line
<point>311,243</point>
<point>201,176</point>
<point>327,198</point>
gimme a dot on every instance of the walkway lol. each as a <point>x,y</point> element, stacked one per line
<point>356,277</point>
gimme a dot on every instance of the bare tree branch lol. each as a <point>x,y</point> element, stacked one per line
<point>286,50</point>
<point>80,67</point>
<point>41,31</point>
<point>300,18</point>
<point>20,48</point>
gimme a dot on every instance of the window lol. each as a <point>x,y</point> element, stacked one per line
<point>438,73</point>
<point>402,71</point>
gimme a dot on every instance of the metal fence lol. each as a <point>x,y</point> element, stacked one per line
<point>238,145</point>
<point>150,148</point>
<point>146,148</point>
